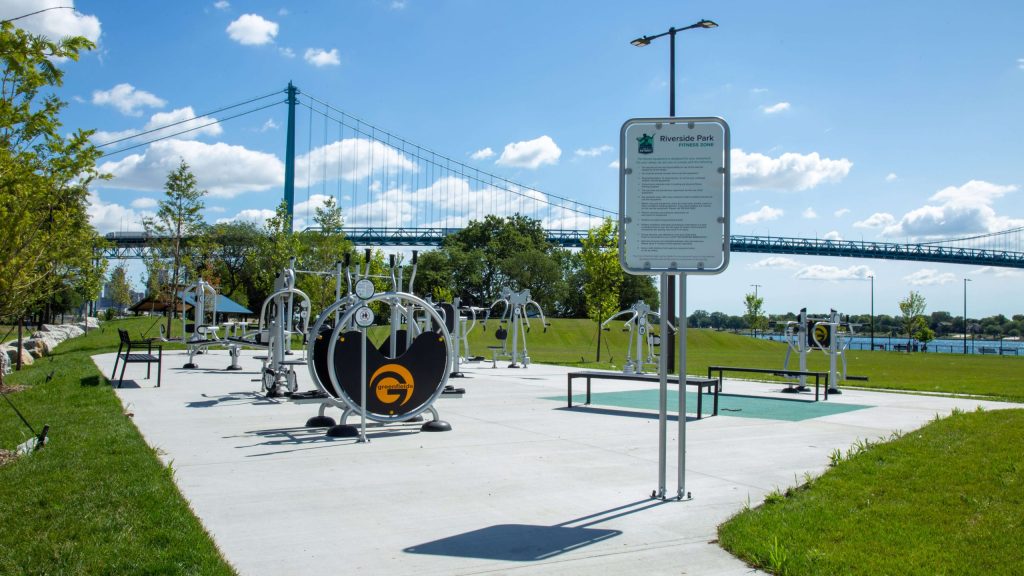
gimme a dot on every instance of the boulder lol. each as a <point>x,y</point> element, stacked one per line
<point>12,354</point>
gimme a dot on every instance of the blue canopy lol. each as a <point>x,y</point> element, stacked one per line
<point>225,305</point>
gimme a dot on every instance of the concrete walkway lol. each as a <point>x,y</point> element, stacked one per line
<point>521,485</point>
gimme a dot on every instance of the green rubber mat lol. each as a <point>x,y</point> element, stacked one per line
<point>728,404</point>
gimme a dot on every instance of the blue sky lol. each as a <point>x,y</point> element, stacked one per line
<point>858,120</point>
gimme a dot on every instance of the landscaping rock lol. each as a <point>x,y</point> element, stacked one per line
<point>11,353</point>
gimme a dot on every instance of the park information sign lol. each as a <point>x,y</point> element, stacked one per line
<point>674,195</point>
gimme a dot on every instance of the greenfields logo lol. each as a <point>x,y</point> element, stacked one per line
<point>645,144</point>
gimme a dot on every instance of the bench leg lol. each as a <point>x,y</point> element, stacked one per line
<point>700,402</point>
<point>568,391</point>
<point>123,366</point>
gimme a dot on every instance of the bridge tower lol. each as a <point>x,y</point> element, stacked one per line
<point>289,158</point>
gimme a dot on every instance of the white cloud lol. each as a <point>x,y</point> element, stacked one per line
<point>350,159</point>
<point>482,154</point>
<point>222,169</point>
<point>764,214</point>
<point>957,211</point>
<point>789,172</point>
<point>841,212</point>
<point>999,272</point>
<point>758,90</point>
<point>101,137</point>
<point>145,203</point>
<point>809,213</point>
<point>252,30</point>
<point>286,52</point>
<point>109,217</point>
<point>832,235</point>
<point>891,177</point>
<point>319,57</point>
<point>54,24</point>
<point>833,273</point>
<point>398,4</point>
<point>781,262</point>
<point>127,99</point>
<point>1020,63</point>
<point>255,215</point>
<point>929,277</point>
<point>595,151</point>
<point>269,125</point>
<point>186,126</point>
<point>614,164</point>
<point>876,220</point>
<point>531,154</point>
<point>183,119</point>
<point>972,192</point>
<point>775,108</point>
<point>221,4</point>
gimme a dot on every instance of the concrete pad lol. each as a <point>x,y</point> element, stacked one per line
<point>521,484</point>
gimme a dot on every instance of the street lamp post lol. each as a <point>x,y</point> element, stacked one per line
<point>966,280</point>
<point>872,277</point>
<point>644,41</point>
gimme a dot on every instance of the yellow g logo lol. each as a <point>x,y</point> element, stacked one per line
<point>821,334</point>
<point>391,383</point>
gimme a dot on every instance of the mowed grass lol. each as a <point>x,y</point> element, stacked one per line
<point>945,499</point>
<point>96,499</point>
<point>574,343</point>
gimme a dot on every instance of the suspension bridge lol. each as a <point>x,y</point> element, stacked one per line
<point>394,192</point>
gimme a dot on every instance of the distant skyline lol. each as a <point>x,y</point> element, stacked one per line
<point>872,120</point>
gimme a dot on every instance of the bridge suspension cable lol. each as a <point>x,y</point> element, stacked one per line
<point>191,128</point>
<point>386,182</point>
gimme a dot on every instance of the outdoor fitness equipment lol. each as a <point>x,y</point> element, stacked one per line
<point>403,376</point>
<point>200,331</point>
<point>516,317</point>
<point>638,323</point>
<point>830,335</point>
<point>285,313</point>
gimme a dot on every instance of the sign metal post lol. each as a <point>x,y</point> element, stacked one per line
<point>673,219</point>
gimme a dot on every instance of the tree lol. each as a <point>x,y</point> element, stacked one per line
<point>754,317</point>
<point>600,256</point>
<point>511,252</point>
<point>120,289</point>
<point>320,250</point>
<point>636,288</point>
<point>912,319</point>
<point>46,240</point>
<point>178,217</point>
<point>699,318</point>
<point>234,248</point>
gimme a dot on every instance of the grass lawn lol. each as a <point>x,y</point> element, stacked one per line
<point>945,499</point>
<point>96,500</point>
<point>574,343</point>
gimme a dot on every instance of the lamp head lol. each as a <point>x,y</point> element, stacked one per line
<point>707,24</point>
<point>642,41</point>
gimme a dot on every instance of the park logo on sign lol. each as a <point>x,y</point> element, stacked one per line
<point>645,144</point>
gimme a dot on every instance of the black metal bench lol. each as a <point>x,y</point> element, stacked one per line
<point>125,356</point>
<point>774,372</point>
<point>704,385</point>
